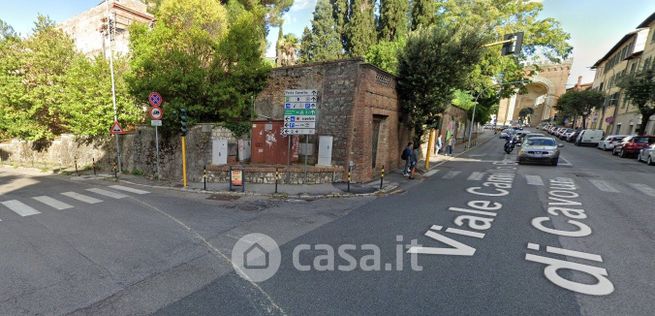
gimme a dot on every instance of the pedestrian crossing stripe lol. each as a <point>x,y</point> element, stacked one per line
<point>20,208</point>
<point>54,203</point>
<point>643,188</point>
<point>128,189</point>
<point>451,174</point>
<point>431,173</point>
<point>603,186</point>
<point>82,197</point>
<point>534,180</point>
<point>476,176</point>
<point>107,193</point>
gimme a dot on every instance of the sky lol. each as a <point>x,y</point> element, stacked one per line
<point>595,25</point>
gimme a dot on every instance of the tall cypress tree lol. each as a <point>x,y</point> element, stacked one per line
<point>325,42</point>
<point>341,15</point>
<point>361,29</point>
<point>423,13</point>
<point>393,19</point>
<point>306,46</point>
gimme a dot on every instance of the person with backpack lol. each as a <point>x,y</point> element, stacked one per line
<point>413,161</point>
<point>406,155</point>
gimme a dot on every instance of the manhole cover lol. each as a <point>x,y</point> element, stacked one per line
<point>223,197</point>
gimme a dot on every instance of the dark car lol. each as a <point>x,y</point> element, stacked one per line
<point>572,137</point>
<point>631,145</point>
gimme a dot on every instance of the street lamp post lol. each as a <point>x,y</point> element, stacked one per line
<point>113,82</point>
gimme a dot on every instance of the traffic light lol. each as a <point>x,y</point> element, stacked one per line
<point>184,121</point>
<point>513,46</point>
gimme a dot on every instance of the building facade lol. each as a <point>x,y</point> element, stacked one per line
<point>633,53</point>
<point>547,84</point>
<point>358,106</point>
<point>89,29</point>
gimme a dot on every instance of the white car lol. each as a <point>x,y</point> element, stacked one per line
<point>648,155</point>
<point>610,141</point>
<point>590,137</point>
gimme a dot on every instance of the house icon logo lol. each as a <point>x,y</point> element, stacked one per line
<point>256,257</point>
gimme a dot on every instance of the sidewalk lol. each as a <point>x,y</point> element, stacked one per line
<point>458,149</point>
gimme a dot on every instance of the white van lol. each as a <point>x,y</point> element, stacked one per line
<point>589,137</point>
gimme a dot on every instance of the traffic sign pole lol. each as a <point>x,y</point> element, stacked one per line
<point>184,182</point>
<point>157,152</point>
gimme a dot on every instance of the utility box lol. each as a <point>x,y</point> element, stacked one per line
<point>219,151</point>
<point>268,145</point>
<point>325,150</point>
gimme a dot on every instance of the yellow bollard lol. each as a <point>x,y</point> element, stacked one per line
<point>184,181</point>
<point>429,150</point>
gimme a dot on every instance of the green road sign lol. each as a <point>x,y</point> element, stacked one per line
<point>299,112</point>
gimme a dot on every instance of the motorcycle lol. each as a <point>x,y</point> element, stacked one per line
<point>510,144</point>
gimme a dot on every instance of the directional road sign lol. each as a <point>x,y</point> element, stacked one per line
<point>312,98</point>
<point>300,125</point>
<point>155,123</point>
<point>300,118</point>
<point>299,131</point>
<point>300,105</point>
<point>300,112</point>
<point>309,92</point>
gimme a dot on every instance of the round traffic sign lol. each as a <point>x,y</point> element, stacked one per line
<point>155,99</point>
<point>156,113</point>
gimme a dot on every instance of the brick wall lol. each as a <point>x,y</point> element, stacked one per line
<point>351,94</point>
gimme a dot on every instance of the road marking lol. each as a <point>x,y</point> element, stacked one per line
<point>565,163</point>
<point>603,186</point>
<point>20,208</point>
<point>56,204</point>
<point>534,180</point>
<point>476,176</point>
<point>431,173</point>
<point>81,197</point>
<point>128,189</point>
<point>106,193</point>
<point>451,174</point>
<point>643,188</point>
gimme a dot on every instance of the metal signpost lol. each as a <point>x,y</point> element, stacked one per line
<point>156,114</point>
<point>300,112</point>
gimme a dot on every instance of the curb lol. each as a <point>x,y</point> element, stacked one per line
<point>459,154</point>
<point>384,191</point>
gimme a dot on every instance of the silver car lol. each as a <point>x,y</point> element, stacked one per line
<point>608,142</point>
<point>540,149</point>
<point>648,155</point>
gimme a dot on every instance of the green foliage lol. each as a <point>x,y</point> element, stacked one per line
<point>385,55</point>
<point>360,29</point>
<point>393,19</point>
<point>463,100</point>
<point>238,129</point>
<point>434,62</point>
<point>640,90</point>
<point>200,60</point>
<point>87,108</point>
<point>6,30</point>
<point>341,15</point>
<point>323,43</point>
<point>423,14</point>
<point>580,103</point>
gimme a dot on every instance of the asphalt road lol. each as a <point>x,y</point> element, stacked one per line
<point>490,238</point>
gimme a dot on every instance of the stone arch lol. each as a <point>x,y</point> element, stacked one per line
<point>539,96</point>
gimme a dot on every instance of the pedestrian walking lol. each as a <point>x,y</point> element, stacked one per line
<point>406,155</point>
<point>413,157</point>
<point>451,144</point>
<point>438,145</point>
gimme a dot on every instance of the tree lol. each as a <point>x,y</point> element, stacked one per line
<point>640,90</point>
<point>360,29</point>
<point>341,16</point>
<point>324,43</point>
<point>393,19</point>
<point>306,46</point>
<point>423,14</point>
<point>288,48</point>
<point>385,55</point>
<point>434,62</point>
<point>580,103</point>
<point>6,31</point>
<point>202,60</point>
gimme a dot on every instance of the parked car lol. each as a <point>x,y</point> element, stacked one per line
<point>631,145</point>
<point>589,137</point>
<point>540,149</point>
<point>568,132</point>
<point>573,136</point>
<point>608,142</point>
<point>563,132</point>
<point>648,155</point>
<point>506,133</point>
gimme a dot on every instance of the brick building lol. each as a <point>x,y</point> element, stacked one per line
<point>358,106</point>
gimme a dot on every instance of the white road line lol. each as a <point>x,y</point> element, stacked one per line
<point>603,186</point>
<point>476,176</point>
<point>430,173</point>
<point>643,188</point>
<point>106,193</point>
<point>534,180</point>
<point>81,197</point>
<point>56,204</point>
<point>128,189</point>
<point>451,174</point>
<point>20,208</point>
<point>565,162</point>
